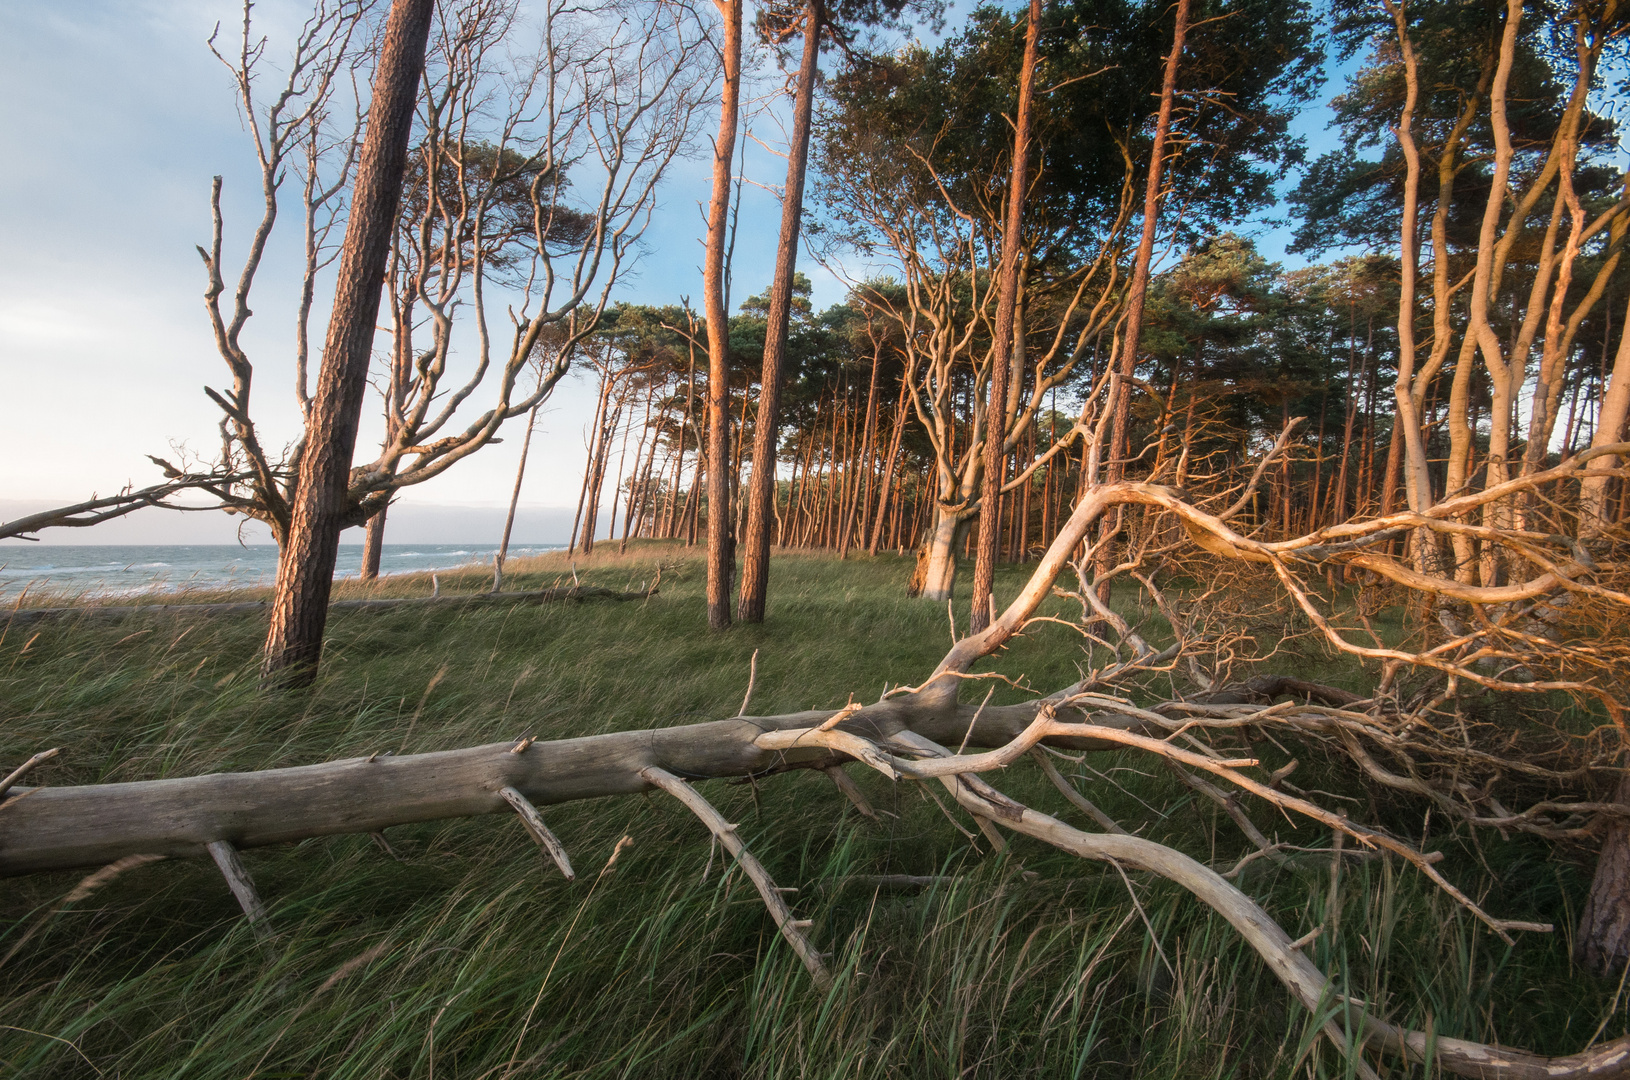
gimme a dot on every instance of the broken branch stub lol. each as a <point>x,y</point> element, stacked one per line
<point>792,929</point>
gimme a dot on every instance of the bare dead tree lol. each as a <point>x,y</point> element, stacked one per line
<point>533,175</point>
<point>1502,581</point>
<point>1397,737</point>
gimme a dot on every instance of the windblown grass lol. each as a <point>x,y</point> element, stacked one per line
<point>471,958</point>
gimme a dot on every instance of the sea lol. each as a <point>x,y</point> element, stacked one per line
<point>104,570</point>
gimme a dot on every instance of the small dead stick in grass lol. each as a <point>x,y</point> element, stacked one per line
<point>792,929</point>
<point>850,790</point>
<point>1078,800</point>
<point>515,1054</point>
<point>1231,807</point>
<point>752,677</point>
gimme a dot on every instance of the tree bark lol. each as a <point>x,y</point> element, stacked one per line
<point>719,540</point>
<point>373,544</point>
<point>1002,342</point>
<point>305,576</point>
<point>935,575</point>
<point>1138,288</point>
<point>755,563</point>
<point>1603,943</point>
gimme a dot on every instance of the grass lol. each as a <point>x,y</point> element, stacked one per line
<point>471,958</point>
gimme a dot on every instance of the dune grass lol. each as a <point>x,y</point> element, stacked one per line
<point>470,957</point>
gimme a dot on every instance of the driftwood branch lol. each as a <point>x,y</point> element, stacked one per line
<point>238,880</point>
<point>792,929</point>
<point>538,830</point>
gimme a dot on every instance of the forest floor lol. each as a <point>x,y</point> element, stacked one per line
<point>467,955</point>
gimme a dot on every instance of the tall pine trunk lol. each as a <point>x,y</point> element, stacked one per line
<point>1002,341</point>
<point>1138,287</point>
<point>305,576</point>
<point>719,540</point>
<point>755,565</point>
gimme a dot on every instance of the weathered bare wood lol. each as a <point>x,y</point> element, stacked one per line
<point>850,790</point>
<point>1299,974</point>
<point>1078,800</point>
<point>25,768</point>
<point>539,831</point>
<point>61,828</point>
<point>242,886</point>
<point>579,593</point>
<point>792,929</point>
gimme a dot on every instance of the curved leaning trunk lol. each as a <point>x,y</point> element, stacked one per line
<point>935,574</point>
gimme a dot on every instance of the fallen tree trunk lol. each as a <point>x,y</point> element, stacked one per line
<point>25,616</point>
<point>66,828</point>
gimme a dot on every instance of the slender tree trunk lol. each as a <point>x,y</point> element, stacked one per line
<point>830,488</point>
<point>1023,553</point>
<point>594,450</point>
<point>597,482</point>
<point>1338,500</point>
<point>853,475</point>
<point>755,565</point>
<point>373,544</point>
<point>294,641</point>
<point>617,485</point>
<point>1138,287</point>
<point>693,499</point>
<point>642,482</point>
<point>1002,339</point>
<point>719,545</point>
<point>883,488</point>
<point>866,459</point>
<point>514,501</point>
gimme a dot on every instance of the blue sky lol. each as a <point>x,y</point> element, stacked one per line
<point>117,118</point>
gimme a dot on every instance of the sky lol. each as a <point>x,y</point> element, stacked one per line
<point>117,118</point>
